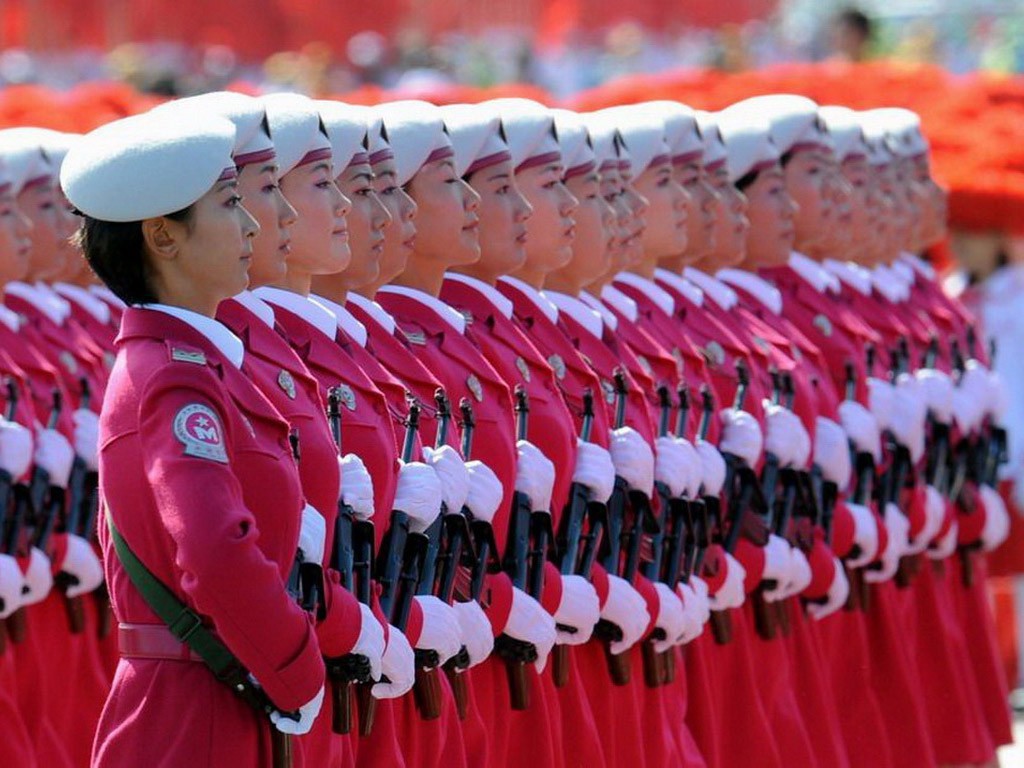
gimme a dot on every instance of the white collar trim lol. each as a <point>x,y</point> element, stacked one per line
<point>489,292</point>
<point>539,299</point>
<point>257,306</point>
<point>590,319</point>
<point>442,310</point>
<point>918,264</point>
<point>40,300</point>
<point>820,279</point>
<point>229,345</point>
<point>720,293</point>
<point>10,318</point>
<point>888,283</point>
<point>662,298</point>
<point>374,310</point>
<point>617,299</point>
<point>94,305</point>
<point>107,295</point>
<point>681,284</point>
<point>850,274</point>
<point>757,286</point>
<point>317,315</point>
<point>354,329</point>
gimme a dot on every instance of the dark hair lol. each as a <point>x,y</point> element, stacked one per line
<point>746,180</point>
<point>857,20</point>
<point>116,252</point>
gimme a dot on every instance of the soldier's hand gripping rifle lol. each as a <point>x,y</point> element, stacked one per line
<point>895,479</point>
<point>863,492</point>
<point>397,568</point>
<point>353,667</point>
<point>569,537</point>
<point>7,486</point>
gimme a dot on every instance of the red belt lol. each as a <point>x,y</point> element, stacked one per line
<point>152,641</point>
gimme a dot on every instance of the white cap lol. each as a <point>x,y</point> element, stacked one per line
<point>847,135</point>
<point>609,149</point>
<point>376,137</point>
<point>794,121</point>
<point>416,132</point>
<point>682,132</point>
<point>24,162</point>
<point>714,147</point>
<point>252,136</point>
<point>55,144</point>
<point>296,129</point>
<point>903,127</point>
<point>529,130</point>
<point>881,148</point>
<point>748,142</point>
<point>346,130</point>
<point>643,133</point>
<point>574,139</point>
<point>477,137</point>
<point>145,166</point>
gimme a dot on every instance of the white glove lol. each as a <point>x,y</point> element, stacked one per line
<point>696,608</point>
<point>731,594</point>
<point>454,476</point>
<point>312,535</point>
<point>881,402</point>
<point>633,458</point>
<point>937,389</point>
<point>908,420</point>
<point>579,608</point>
<point>865,534</point>
<point>398,665</point>
<point>999,395</point>
<point>81,562</point>
<point>11,584</point>
<point>440,631</point>
<point>786,437</point>
<point>370,642</point>
<point>971,398</point>
<point>671,618</point>
<point>530,623</point>
<point>54,454</point>
<point>832,451</point>
<point>838,592</point>
<point>801,572</point>
<point>535,475</point>
<point>712,468</point>
<point>38,578</point>
<point>594,470</point>
<point>862,428</point>
<point>703,607</point>
<point>741,436</point>
<point>674,465</point>
<point>307,716</point>
<point>418,494</point>
<point>15,448</point>
<point>777,566</point>
<point>997,519</point>
<point>356,486</point>
<point>626,609</point>
<point>474,630</point>
<point>87,437</point>
<point>934,514</point>
<point>898,527</point>
<point>485,491</point>
<point>946,546</point>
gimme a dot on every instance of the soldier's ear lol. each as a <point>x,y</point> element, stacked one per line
<point>159,237</point>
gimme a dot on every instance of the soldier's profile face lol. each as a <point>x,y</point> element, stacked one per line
<point>447,223</point>
<point>320,234</point>
<point>367,221</point>
<point>14,239</point>
<point>771,211</point>
<point>504,213</point>
<point>258,185</point>
<point>552,227</point>
<point>667,214</point>
<point>400,237</point>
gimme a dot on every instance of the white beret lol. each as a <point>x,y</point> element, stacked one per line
<point>376,137</point>
<point>794,120</point>
<point>477,137</point>
<point>714,147</point>
<point>847,135</point>
<point>904,129</point>
<point>416,132</point>
<point>296,129</point>
<point>682,131</point>
<point>877,137</point>
<point>23,157</point>
<point>605,138</point>
<point>529,130</point>
<point>252,139</point>
<point>748,142</point>
<point>643,134</point>
<point>346,130</point>
<point>574,139</point>
<point>143,166</point>
<point>55,144</point>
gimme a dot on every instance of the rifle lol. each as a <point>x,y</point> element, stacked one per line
<point>351,668</point>
<point>398,567</point>
<point>864,468</point>
<point>515,563</point>
<point>569,535</point>
<point>7,484</point>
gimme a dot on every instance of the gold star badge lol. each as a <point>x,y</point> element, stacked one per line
<point>287,383</point>
<point>475,387</point>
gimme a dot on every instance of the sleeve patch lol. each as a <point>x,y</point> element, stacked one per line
<point>197,428</point>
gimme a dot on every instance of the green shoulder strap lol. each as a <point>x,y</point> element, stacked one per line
<point>186,625</point>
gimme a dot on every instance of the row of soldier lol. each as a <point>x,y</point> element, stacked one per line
<point>632,437</point>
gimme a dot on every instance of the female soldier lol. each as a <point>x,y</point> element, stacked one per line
<point>198,481</point>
